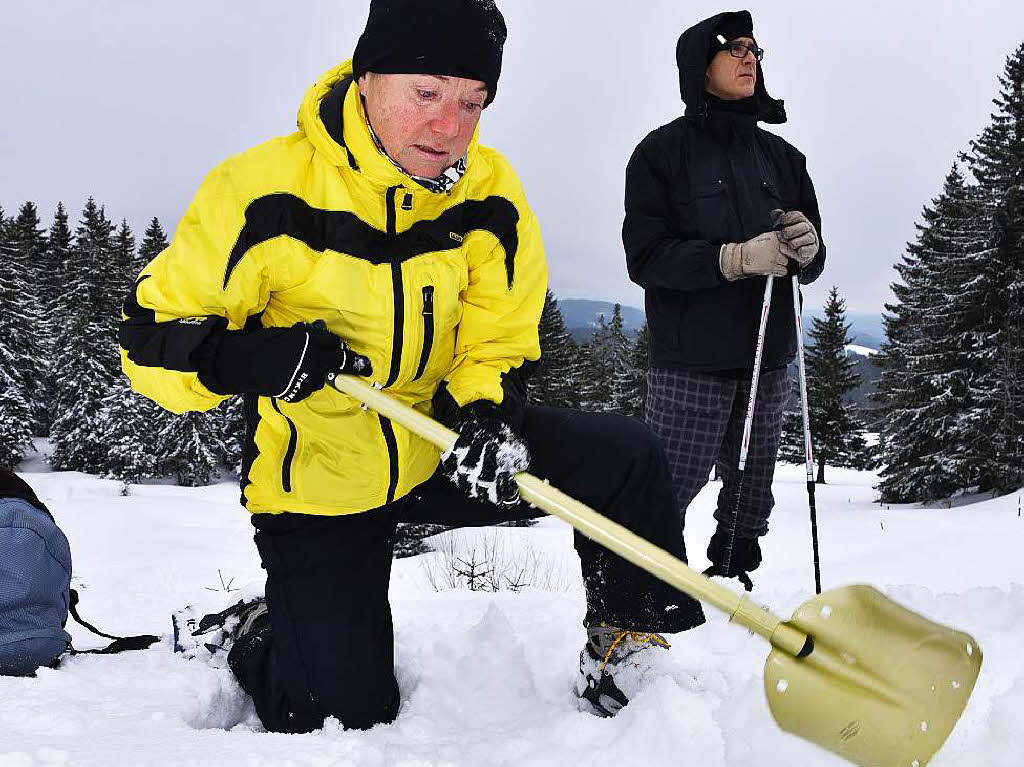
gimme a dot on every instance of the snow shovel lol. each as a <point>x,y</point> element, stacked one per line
<point>852,671</point>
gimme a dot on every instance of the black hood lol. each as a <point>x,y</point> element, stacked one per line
<point>692,58</point>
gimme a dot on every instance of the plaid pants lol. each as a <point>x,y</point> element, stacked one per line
<point>699,419</point>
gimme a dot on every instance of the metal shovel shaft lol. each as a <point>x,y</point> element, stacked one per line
<point>598,528</point>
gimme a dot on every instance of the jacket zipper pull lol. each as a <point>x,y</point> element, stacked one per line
<point>428,301</point>
<point>407,202</point>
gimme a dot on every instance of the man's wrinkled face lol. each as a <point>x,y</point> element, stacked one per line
<point>731,78</point>
<point>425,122</point>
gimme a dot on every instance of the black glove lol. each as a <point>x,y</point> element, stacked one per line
<point>287,363</point>
<point>745,558</point>
<point>487,456</point>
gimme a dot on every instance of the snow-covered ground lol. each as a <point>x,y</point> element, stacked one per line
<point>487,677</point>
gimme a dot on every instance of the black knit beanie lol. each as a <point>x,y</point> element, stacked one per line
<point>458,38</point>
<point>732,25</point>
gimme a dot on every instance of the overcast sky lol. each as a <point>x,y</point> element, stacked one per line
<point>133,102</point>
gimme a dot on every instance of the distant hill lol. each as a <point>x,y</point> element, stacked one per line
<point>581,316</point>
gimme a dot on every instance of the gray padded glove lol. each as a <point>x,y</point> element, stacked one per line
<point>760,256</point>
<point>799,237</point>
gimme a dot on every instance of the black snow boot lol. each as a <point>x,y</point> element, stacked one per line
<point>216,633</point>
<point>614,665</point>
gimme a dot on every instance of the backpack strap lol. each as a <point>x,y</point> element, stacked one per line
<point>120,644</point>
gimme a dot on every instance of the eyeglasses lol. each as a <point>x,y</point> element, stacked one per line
<point>740,50</point>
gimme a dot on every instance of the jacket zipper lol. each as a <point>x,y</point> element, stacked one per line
<point>398,289</point>
<point>399,293</point>
<point>428,329</point>
<point>289,455</point>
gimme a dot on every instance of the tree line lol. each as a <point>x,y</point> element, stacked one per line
<point>60,303</point>
<point>60,374</point>
<point>951,395</point>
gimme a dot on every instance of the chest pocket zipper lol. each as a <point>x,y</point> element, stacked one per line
<point>428,329</point>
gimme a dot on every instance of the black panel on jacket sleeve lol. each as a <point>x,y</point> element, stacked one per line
<point>513,403</point>
<point>168,345</point>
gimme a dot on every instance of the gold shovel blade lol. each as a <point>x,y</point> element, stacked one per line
<point>883,687</point>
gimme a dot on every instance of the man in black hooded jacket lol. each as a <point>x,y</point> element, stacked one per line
<point>704,227</point>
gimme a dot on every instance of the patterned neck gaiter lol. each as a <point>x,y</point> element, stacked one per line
<point>440,185</point>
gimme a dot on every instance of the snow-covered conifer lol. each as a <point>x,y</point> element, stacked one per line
<point>629,385</point>
<point>22,325</point>
<point>232,420</point>
<point>996,159</point>
<point>126,426</point>
<point>85,354</point>
<point>15,408</point>
<point>191,447</point>
<point>608,353</point>
<point>553,382</point>
<point>837,433</point>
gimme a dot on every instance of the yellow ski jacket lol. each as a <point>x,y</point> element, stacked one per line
<point>437,289</point>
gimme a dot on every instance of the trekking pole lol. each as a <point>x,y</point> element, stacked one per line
<point>748,423</point>
<point>808,449</point>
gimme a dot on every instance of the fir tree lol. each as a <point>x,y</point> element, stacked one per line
<point>629,387</point>
<point>51,281</point>
<point>153,243</point>
<point>22,324</point>
<point>904,389</point>
<point>126,430</point>
<point>938,354</point>
<point>955,358</point>
<point>58,257</point>
<point>85,355</point>
<point>191,448</point>
<point>15,416</point>
<point>233,432</point>
<point>27,232</point>
<point>124,260</point>
<point>997,162</point>
<point>15,409</point>
<point>553,382</point>
<point>608,355</point>
<point>836,431</point>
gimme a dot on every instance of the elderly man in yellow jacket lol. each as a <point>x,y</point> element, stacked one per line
<point>382,239</point>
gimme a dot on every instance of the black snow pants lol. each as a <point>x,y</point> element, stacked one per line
<point>329,647</point>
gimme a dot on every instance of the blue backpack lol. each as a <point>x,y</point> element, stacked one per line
<point>35,585</point>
